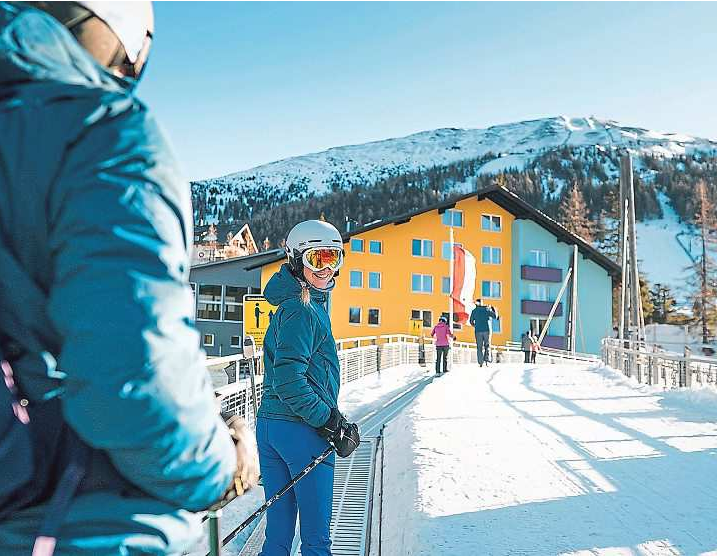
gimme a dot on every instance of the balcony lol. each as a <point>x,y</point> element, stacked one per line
<point>551,341</point>
<point>534,307</point>
<point>547,274</point>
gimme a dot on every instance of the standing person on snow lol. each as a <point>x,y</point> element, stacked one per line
<point>442,331</point>
<point>480,320</point>
<point>95,306</point>
<point>527,345</point>
<point>299,415</point>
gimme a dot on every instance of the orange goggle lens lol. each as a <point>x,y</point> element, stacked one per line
<point>320,258</point>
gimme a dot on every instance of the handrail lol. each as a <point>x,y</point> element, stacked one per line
<point>651,364</point>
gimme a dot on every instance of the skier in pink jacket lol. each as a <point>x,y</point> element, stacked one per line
<point>441,331</point>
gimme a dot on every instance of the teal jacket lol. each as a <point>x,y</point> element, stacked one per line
<point>301,365</point>
<point>96,227</point>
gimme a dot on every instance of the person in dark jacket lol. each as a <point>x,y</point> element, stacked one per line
<point>528,344</point>
<point>95,233</point>
<point>480,319</point>
<point>442,332</point>
<point>299,416</point>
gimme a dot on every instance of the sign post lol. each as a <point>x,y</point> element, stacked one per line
<point>417,331</point>
<point>258,314</point>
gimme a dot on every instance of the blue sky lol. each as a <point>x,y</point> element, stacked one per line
<point>238,84</point>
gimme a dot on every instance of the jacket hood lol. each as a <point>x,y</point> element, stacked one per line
<point>284,286</point>
<point>35,47</point>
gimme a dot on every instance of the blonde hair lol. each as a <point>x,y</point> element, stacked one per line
<point>305,295</point>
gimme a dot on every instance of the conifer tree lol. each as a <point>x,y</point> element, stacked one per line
<point>608,226</point>
<point>703,280</point>
<point>573,214</point>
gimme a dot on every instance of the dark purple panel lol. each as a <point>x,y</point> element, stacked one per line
<point>553,342</point>
<point>548,274</point>
<point>534,307</point>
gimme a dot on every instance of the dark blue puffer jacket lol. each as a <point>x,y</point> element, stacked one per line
<point>96,227</point>
<point>300,360</point>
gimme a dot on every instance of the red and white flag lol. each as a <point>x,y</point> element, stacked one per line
<point>464,282</point>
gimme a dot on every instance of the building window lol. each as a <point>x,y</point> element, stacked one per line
<point>537,325</point>
<point>452,217</point>
<point>539,292</point>
<point>374,316</point>
<point>374,281</point>
<point>446,249</point>
<point>235,342</point>
<point>491,223</point>
<point>208,339</point>
<point>375,246</point>
<point>422,248</point>
<point>491,289</point>
<point>357,245</point>
<point>495,325</point>
<point>423,314</point>
<point>356,279</point>
<point>209,302</point>
<point>422,283</point>
<point>491,255</point>
<point>538,258</point>
<point>233,307</point>
<point>355,316</point>
<point>456,325</point>
<point>445,285</point>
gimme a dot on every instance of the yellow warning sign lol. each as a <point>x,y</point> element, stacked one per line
<point>258,314</point>
<point>416,327</point>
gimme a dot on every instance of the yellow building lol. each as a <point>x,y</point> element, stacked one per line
<point>399,269</point>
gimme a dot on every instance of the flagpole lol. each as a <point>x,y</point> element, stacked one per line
<point>450,295</point>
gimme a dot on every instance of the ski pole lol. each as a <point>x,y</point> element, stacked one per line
<point>313,464</point>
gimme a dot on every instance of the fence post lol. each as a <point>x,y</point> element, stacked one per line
<point>686,380</point>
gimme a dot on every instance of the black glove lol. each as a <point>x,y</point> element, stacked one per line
<point>340,433</point>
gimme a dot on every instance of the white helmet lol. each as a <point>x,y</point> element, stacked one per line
<point>132,24</point>
<point>130,21</point>
<point>310,234</point>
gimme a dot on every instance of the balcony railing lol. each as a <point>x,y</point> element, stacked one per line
<point>535,307</point>
<point>547,274</point>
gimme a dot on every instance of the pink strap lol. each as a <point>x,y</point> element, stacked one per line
<point>44,546</point>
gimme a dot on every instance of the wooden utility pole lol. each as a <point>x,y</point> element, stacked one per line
<point>632,325</point>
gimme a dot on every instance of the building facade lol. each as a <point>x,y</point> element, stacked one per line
<point>398,269</point>
<point>219,289</point>
<point>541,261</point>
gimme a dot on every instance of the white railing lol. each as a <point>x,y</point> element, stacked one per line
<point>362,356</point>
<point>358,357</point>
<point>512,352</point>
<point>653,366</point>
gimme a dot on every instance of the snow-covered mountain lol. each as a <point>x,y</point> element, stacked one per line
<point>538,159</point>
<point>504,146</point>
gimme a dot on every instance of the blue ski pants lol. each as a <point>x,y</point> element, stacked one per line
<point>286,448</point>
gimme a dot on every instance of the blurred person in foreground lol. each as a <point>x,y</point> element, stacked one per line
<point>99,352</point>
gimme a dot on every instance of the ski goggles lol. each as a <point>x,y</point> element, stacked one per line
<point>317,259</point>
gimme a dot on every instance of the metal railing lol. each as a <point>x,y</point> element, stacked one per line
<point>652,365</point>
<point>358,357</point>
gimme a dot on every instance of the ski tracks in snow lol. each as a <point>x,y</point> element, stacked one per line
<point>543,460</point>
